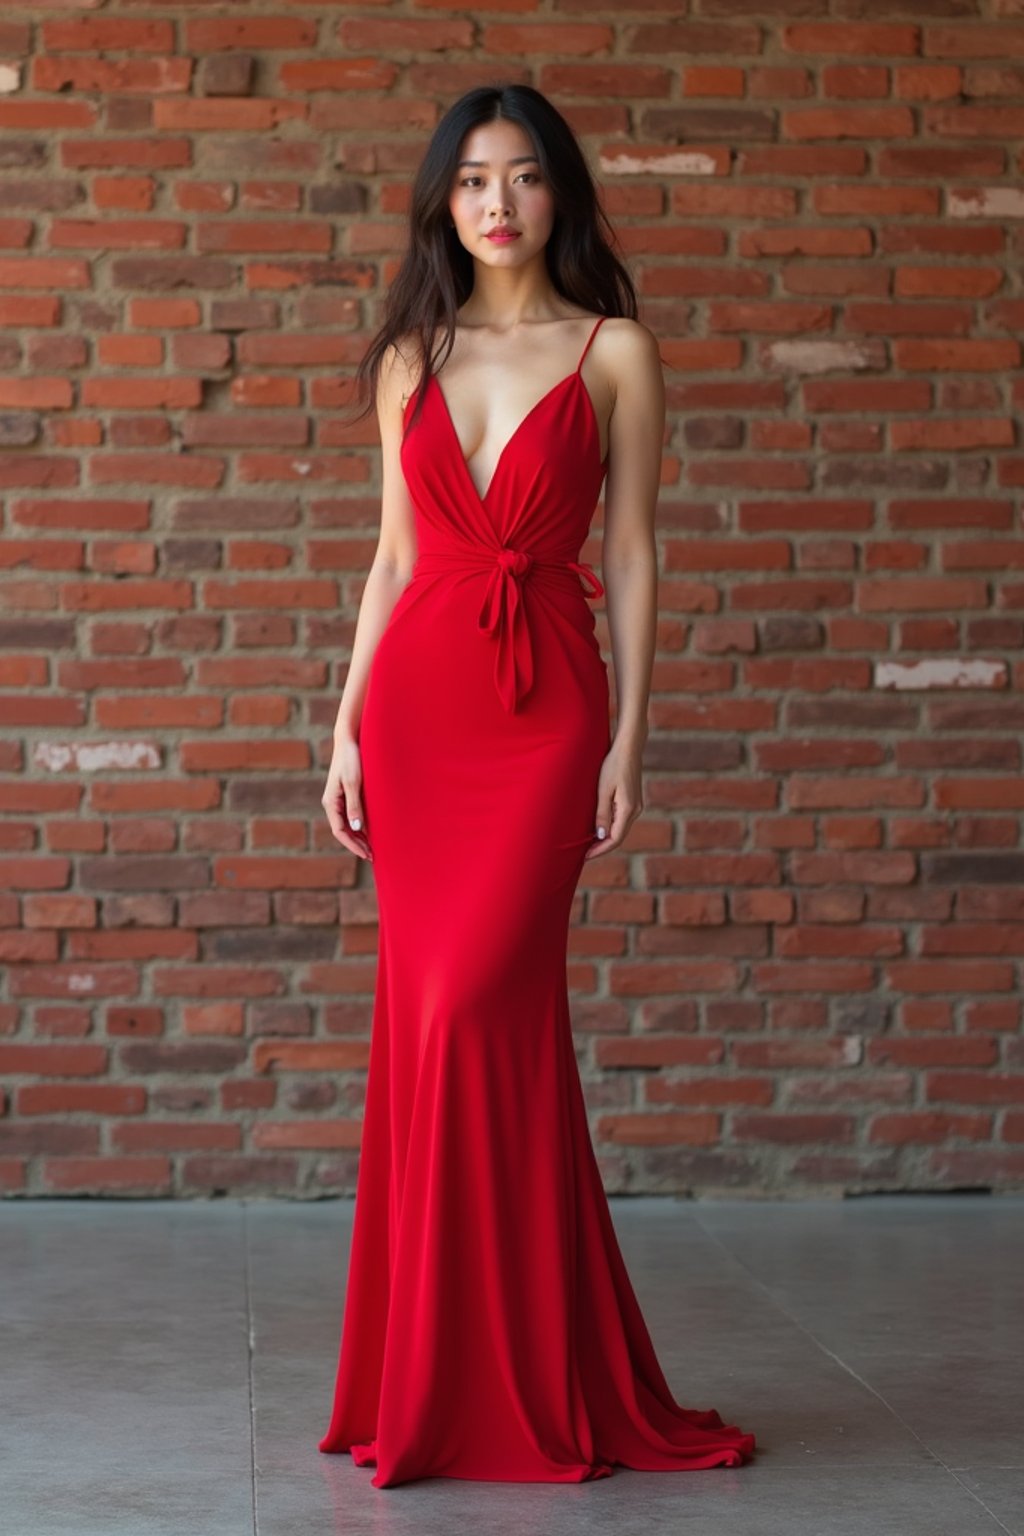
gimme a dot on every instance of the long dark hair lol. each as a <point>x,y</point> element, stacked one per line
<point>436,274</point>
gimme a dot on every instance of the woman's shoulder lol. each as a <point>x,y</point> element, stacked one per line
<point>627,350</point>
<point>626,332</point>
<point>401,367</point>
<point>403,353</point>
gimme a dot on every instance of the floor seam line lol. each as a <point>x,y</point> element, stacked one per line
<point>250,1340</point>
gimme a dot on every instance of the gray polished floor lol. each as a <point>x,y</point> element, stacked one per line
<point>166,1369</point>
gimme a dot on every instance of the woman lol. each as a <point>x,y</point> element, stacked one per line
<point>490,1328</point>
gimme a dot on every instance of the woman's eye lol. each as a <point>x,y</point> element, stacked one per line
<point>467,179</point>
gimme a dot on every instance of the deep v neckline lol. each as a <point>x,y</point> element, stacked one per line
<point>575,376</point>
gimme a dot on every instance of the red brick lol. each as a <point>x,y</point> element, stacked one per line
<point>665,1129</point>
<point>112,34</point>
<point>76,1098</point>
<point>921,592</point>
<point>56,352</point>
<point>130,351</point>
<point>285,351</point>
<point>355,74</point>
<point>204,197</point>
<point>36,393</point>
<point>989,1088</point>
<point>920,1128</point>
<point>164,314</point>
<point>262,391</point>
<point>307,1056</point>
<point>42,116</point>
<point>888,122</point>
<point>300,468</point>
<point>266,33</point>
<point>235,235</point>
<point>977,42</point>
<point>53,72</point>
<point>41,1136</point>
<point>281,195</point>
<point>143,1175</point>
<point>238,430</point>
<point>136,194</point>
<point>164,153</point>
<point>156,469</point>
<point>855,82</point>
<point>863,40</point>
<point>204,354</point>
<point>223,115</point>
<point>792,1129</point>
<point>954,353</point>
<point>141,394</point>
<point>170,1136</point>
<point>15,233</point>
<point>713,80</point>
<point>52,1060</point>
<point>15,37</point>
<point>42,272</point>
<point>248,1095</point>
<point>981,1167</point>
<point>31,310</point>
<point>226,76</point>
<point>210,1174</point>
<point>118,234</point>
<point>13,1174</point>
<point>307,1135</point>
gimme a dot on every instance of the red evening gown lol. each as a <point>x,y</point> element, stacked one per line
<point>490,1328</point>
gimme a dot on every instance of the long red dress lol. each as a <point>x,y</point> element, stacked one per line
<point>490,1328</point>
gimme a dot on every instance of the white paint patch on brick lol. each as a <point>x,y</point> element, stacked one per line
<point>853,1050</point>
<point>10,79</point>
<point>300,467</point>
<point>944,672</point>
<point>95,757</point>
<point>987,203</point>
<point>677,162</point>
<point>52,755</point>
<point>81,983</point>
<point>819,356</point>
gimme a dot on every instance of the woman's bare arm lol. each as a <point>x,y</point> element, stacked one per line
<point>629,558</point>
<point>396,547</point>
<point>389,574</point>
<point>629,566</point>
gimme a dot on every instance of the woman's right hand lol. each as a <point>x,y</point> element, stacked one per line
<point>342,797</point>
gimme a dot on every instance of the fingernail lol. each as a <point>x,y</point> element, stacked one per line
<point>355,822</point>
<point>600,831</point>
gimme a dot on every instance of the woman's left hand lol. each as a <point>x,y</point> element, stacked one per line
<point>619,797</point>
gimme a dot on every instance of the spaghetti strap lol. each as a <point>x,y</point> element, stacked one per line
<point>590,338</point>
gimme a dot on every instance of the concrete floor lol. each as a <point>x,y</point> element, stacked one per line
<point>166,1370</point>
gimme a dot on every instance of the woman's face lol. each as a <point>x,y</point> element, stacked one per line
<point>504,186</point>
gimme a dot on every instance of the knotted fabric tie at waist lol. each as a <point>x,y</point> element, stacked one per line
<point>502,612</point>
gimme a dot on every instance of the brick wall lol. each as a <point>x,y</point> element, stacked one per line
<point>804,972</point>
